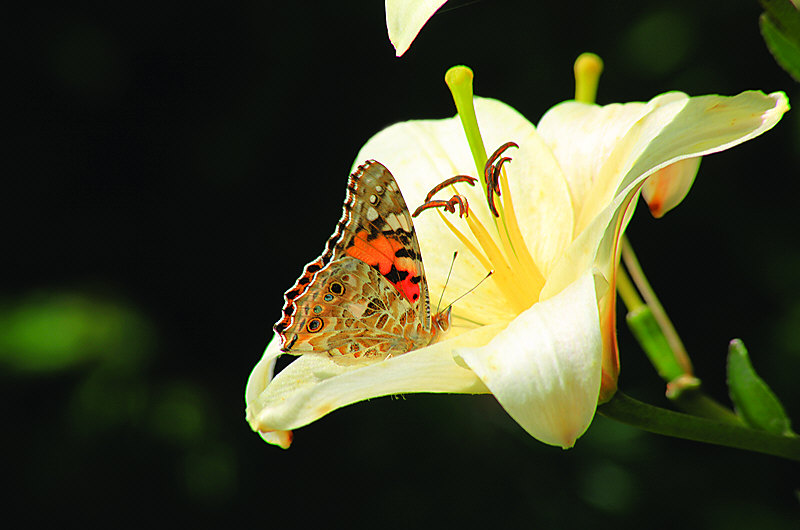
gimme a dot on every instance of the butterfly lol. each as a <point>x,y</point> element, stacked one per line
<point>366,295</point>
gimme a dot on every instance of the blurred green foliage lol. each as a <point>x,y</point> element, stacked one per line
<point>47,332</point>
<point>780,27</point>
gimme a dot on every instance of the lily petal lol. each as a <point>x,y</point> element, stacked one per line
<point>667,187</point>
<point>405,18</point>
<point>709,124</point>
<point>259,378</point>
<point>314,385</point>
<point>674,130</point>
<point>544,368</point>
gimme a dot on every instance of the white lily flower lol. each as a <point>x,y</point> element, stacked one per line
<point>540,335</point>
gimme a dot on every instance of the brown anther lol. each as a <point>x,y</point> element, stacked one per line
<point>463,205</point>
<point>452,180</point>
<point>450,205</point>
<point>491,172</point>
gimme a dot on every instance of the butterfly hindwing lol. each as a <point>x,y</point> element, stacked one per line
<point>348,312</point>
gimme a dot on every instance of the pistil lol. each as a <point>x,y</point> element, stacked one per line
<point>516,274</point>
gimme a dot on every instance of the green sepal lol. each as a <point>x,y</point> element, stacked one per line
<point>755,403</point>
<point>780,28</point>
<point>648,333</point>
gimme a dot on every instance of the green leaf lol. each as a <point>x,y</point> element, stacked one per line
<point>755,403</point>
<point>780,28</point>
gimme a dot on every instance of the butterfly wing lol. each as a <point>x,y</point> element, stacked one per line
<point>349,310</point>
<point>375,229</point>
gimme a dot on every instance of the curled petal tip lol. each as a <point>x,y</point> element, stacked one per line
<point>404,20</point>
<point>282,439</point>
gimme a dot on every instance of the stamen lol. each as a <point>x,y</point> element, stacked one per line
<point>491,172</point>
<point>515,241</point>
<point>450,206</point>
<point>514,290</point>
<point>516,274</point>
<point>452,180</point>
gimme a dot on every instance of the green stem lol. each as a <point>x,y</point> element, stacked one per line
<point>655,333</point>
<point>662,421</point>
<point>627,291</point>
<point>649,295</point>
<point>693,401</point>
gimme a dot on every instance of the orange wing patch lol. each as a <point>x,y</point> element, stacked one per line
<point>387,256</point>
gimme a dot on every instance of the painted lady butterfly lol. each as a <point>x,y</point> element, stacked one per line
<point>366,295</point>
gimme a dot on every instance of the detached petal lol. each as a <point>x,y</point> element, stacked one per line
<point>405,18</point>
<point>544,368</point>
<point>315,384</point>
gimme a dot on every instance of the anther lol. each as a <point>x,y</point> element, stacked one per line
<point>452,180</point>
<point>450,205</point>
<point>491,171</point>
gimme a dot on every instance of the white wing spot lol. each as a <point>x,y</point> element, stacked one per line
<point>393,222</point>
<point>372,214</point>
<point>373,199</point>
<point>404,222</point>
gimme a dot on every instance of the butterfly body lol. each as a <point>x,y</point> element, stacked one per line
<point>366,295</point>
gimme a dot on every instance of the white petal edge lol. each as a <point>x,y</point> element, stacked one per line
<point>259,378</point>
<point>706,125</point>
<point>405,18</point>
<point>545,367</point>
<point>315,385</point>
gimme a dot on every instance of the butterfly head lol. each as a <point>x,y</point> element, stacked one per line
<point>442,319</point>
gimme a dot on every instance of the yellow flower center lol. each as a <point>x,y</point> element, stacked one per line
<point>500,247</point>
<point>497,243</point>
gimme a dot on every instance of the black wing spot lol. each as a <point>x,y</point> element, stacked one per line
<point>314,325</point>
<point>405,253</point>
<point>396,276</point>
<point>294,293</point>
<point>336,288</point>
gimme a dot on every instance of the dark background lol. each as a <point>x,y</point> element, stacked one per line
<point>173,166</point>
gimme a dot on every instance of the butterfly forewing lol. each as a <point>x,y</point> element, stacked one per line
<point>366,294</point>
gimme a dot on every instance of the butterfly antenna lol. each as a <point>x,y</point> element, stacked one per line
<point>447,280</point>
<point>476,286</point>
